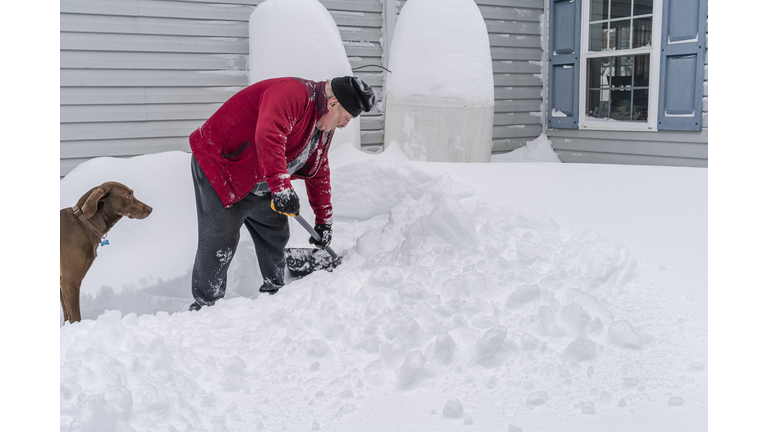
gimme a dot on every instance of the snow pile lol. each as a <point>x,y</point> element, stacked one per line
<point>442,315</point>
<point>441,48</point>
<point>538,150</point>
<point>299,38</point>
<point>295,38</point>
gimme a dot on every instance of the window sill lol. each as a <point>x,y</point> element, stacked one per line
<point>616,125</point>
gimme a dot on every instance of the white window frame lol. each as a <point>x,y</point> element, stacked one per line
<point>654,50</point>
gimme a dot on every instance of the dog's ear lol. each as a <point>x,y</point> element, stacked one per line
<point>92,203</point>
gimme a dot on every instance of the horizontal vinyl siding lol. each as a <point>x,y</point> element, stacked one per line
<point>514,33</point>
<point>138,76</point>
<point>668,148</point>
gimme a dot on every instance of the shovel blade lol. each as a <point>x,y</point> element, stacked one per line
<point>303,261</point>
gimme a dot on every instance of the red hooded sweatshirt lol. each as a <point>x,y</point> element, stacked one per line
<point>257,132</point>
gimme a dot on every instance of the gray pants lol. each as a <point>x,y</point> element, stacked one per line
<point>218,232</point>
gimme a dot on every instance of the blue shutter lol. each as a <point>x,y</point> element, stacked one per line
<point>681,83</point>
<point>564,46</point>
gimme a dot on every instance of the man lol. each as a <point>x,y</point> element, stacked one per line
<point>244,158</point>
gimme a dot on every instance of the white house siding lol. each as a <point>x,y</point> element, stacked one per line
<point>670,148</point>
<point>514,31</point>
<point>138,76</point>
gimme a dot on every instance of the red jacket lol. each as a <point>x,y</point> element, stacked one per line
<point>254,135</point>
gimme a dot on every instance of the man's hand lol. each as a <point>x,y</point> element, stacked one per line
<point>286,202</point>
<point>325,232</point>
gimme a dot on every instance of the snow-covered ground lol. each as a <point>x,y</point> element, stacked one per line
<point>503,296</point>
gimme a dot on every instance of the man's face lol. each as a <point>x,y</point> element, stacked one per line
<point>336,117</point>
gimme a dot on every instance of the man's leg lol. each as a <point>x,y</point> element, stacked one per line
<point>218,232</point>
<point>270,234</point>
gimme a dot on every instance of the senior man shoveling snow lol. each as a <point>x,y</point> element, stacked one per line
<point>244,158</point>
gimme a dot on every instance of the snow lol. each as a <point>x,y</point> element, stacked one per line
<point>502,296</point>
<point>538,150</point>
<point>298,38</point>
<point>440,49</point>
<point>295,38</point>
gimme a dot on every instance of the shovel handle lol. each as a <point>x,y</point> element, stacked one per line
<point>314,234</point>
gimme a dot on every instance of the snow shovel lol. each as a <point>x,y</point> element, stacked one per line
<point>303,261</point>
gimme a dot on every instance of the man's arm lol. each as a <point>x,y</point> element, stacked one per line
<point>279,109</point>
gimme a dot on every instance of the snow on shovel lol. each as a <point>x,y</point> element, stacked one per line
<point>303,261</point>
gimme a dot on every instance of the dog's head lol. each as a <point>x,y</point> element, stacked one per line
<point>113,198</point>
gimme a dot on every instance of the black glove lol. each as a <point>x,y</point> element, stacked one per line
<point>325,232</point>
<point>286,202</point>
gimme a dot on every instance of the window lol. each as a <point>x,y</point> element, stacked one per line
<point>619,57</point>
<point>635,65</point>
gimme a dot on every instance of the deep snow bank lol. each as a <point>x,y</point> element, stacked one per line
<point>441,316</point>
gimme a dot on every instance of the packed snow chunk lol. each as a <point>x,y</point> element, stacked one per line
<point>372,188</point>
<point>316,348</point>
<point>575,318</point>
<point>676,401</point>
<point>298,38</point>
<point>602,261</point>
<point>453,409</point>
<point>530,342</point>
<point>448,222</point>
<point>623,334</point>
<point>374,372</point>
<point>538,150</point>
<point>445,347</point>
<point>409,373</point>
<point>387,276</point>
<point>587,407</point>
<point>491,340</point>
<point>523,295</point>
<point>581,349</point>
<point>536,398</point>
<point>528,252</point>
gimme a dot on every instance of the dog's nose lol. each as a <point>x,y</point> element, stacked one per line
<point>148,209</point>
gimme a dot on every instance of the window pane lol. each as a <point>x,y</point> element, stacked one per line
<point>618,87</point>
<point>621,8</point>
<point>621,30</point>
<point>599,37</point>
<point>602,68</point>
<point>642,70</point>
<point>643,7</point>
<point>598,10</point>
<point>642,32</point>
<point>640,104</point>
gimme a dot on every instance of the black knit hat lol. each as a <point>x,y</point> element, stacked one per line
<point>354,95</point>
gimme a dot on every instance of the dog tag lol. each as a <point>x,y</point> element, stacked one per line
<point>104,243</point>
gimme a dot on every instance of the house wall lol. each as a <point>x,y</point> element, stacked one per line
<point>670,148</point>
<point>138,76</point>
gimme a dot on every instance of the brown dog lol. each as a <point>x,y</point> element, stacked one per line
<point>82,228</point>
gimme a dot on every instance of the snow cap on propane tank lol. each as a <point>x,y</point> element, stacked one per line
<point>439,96</point>
<point>299,38</point>
<point>441,48</point>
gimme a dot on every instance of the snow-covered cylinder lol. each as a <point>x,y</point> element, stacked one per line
<point>439,96</point>
<point>299,38</point>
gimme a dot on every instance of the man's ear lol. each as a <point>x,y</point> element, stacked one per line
<point>332,101</point>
